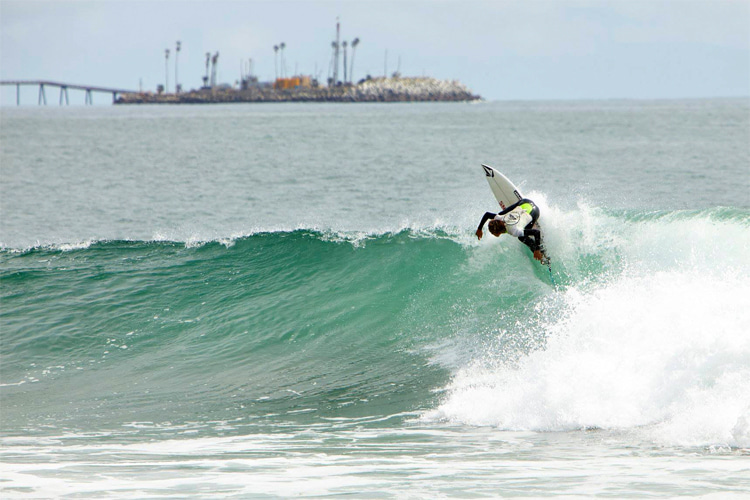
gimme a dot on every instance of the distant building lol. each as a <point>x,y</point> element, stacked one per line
<point>294,82</point>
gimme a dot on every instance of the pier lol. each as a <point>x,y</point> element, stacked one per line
<point>88,89</point>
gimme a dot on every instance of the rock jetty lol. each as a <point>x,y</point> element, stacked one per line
<point>396,89</point>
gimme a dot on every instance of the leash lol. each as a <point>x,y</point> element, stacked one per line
<point>546,261</point>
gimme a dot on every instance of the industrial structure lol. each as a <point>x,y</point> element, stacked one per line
<point>281,79</point>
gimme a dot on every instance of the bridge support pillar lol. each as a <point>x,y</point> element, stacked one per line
<point>42,96</point>
<point>18,94</point>
<point>64,92</point>
<point>89,97</point>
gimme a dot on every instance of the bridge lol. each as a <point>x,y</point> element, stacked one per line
<point>89,89</point>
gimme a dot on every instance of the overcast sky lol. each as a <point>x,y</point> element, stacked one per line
<point>514,49</point>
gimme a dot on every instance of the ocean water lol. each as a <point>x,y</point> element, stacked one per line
<point>261,301</point>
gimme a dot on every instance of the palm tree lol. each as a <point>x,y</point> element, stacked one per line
<point>208,61</point>
<point>176,81</point>
<point>344,44</point>
<point>214,63</point>
<point>282,46</point>
<point>355,42</point>
<point>275,60</point>
<point>331,72</point>
<point>166,70</point>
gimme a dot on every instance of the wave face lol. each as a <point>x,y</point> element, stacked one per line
<point>271,323</point>
<point>641,326</point>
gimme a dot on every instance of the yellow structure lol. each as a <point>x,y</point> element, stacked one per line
<point>293,82</point>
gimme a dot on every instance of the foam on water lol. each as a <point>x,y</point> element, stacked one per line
<point>656,342</point>
<point>346,458</point>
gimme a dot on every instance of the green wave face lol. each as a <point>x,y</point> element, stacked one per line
<point>273,323</point>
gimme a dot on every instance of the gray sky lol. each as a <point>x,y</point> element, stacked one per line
<point>514,49</point>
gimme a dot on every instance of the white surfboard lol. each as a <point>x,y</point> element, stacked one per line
<point>506,193</point>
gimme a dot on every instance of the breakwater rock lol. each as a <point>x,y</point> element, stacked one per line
<point>372,90</point>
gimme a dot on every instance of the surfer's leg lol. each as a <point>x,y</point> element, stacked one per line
<point>532,238</point>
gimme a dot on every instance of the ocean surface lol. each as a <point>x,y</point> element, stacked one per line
<point>262,301</point>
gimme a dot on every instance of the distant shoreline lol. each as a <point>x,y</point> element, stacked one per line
<point>397,89</point>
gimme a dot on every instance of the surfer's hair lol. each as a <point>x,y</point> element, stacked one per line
<point>496,227</point>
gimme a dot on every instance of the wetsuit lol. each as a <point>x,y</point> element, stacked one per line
<point>519,220</point>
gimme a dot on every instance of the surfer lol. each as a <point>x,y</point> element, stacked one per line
<point>517,220</point>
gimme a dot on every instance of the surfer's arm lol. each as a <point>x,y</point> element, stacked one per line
<point>487,216</point>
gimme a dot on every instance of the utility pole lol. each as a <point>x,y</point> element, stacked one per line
<point>176,80</point>
<point>166,71</point>
<point>336,55</point>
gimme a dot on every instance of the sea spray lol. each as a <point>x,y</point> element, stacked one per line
<point>648,334</point>
<point>638,352</point>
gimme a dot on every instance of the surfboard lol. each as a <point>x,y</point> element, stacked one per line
<point>506,193</point>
